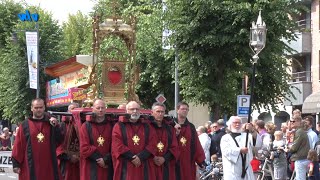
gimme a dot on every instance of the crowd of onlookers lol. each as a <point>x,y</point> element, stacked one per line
<point>6,140</point>
<point>293,149</point>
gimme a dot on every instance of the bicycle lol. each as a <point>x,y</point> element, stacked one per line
<point>212,172</point>
<point>266,169</point>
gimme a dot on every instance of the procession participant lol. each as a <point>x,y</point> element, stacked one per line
<point>134,145</point>
<point>95,145</point>
<point>68,153</point>
<point>191,151</point>
<point>34,152</point>
<point>167,145</point>
<point>233,149</point>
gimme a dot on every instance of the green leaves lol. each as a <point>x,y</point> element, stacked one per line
<point>77,35</point>
<point>15,94</point>
<point>212,39</point>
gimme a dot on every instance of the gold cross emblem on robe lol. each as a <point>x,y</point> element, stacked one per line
<point>100,141</point>
<point>40,137</point>
<point>183,141</point>
<point>160,146</point>
<point>135,140</point>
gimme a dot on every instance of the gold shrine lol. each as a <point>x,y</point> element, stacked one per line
<point>114,72</point>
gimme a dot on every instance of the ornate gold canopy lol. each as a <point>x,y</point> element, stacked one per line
<point>115,71</point>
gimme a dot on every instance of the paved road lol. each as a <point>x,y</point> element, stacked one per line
<point>8,174</point>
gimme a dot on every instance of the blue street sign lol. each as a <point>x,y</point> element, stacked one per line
<point>243,105</point>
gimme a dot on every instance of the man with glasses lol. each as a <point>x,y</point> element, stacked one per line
<point>134,144</point>
<point>299,148</point>
<point>234,150</point>
<point>218,133</point>
<point>191,151</point>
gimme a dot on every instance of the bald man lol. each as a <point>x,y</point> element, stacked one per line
<point>95,145</point>
<point>133,146</point>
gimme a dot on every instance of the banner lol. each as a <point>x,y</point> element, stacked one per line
<point>58,95</point>
<point>32,53</point>
<point>5,159</point>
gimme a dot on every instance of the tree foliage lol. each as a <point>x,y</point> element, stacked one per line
<point>212,38</point>
<point>155,68</point>
<point>77,35</point>
<point>15,94</point>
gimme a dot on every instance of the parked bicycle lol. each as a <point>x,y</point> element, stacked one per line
<point>265,171</point>
<point>213,171</point>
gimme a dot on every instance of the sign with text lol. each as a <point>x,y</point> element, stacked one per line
<point>58,95</point>
<point>74,79</point>
<point>32,52</point>
<point>5,159</point>
<point>243,105</point>
<point>28,16</point>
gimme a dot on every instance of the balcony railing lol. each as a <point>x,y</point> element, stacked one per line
<point>304,76</point>
<point>304,25</point>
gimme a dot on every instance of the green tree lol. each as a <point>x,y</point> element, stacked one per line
<point>15,94</point>
<point>8,11</point>
<point>156,69</point>
<point>212,39</point>
<point>77,35</point>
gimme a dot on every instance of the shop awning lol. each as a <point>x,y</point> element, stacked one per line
<point>64,67</point>
<point>311,104</point>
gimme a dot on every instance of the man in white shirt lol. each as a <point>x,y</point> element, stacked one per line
<point>313,138</point>
<point>205,141</point>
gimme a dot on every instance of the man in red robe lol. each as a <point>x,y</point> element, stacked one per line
<point>133,146</point>
<point>95,145</point>
<point>68,152</point>
<point>34,152</point>
<point>191,151</point>
<point>167,146</point>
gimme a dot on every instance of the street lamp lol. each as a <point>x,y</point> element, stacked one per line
<point>258,34</point>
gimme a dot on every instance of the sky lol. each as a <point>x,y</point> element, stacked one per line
<point>61,8</point>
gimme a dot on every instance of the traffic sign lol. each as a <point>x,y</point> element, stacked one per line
<point>243,105</point>
<point>160,98</point>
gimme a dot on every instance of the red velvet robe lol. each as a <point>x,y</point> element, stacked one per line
<point>124,148</point>
<point>70,146</point>
<point>186,167</point>
<point>36,159</point>
<point>90,150</point>
<point>170,151</point>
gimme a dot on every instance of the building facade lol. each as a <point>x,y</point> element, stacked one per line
<point>305,62</point>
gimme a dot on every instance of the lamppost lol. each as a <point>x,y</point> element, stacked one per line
<point>258,33</point>
<point>37,63</point>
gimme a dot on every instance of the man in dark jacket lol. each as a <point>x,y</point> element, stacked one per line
<point>299,148</point>
<point>216,137</point>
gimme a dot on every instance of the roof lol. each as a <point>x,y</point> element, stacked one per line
<point>311,104</point>
<point>64,67</point>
